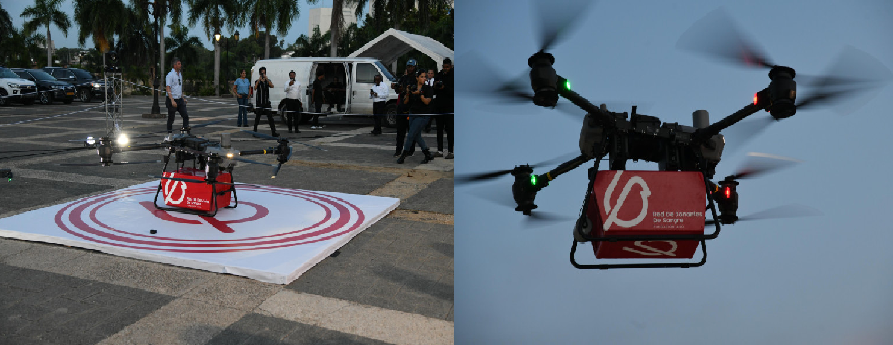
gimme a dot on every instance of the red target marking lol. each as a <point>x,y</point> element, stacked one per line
<point>222,225</point>
<point>105,234</point>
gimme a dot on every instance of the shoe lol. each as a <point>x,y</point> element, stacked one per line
<point>449,155</point>
<point>409,154</point>
<point>401,159</point>
<point>322,126</point>
<point>428,156</point>
<point>297,131</point>
<point>275,135</point>
<point>314,127</point>
<point>255,129</point>
<point>168,137</point>
<point>438,154</point>
<point>187,129</point>
<point>397,154</point>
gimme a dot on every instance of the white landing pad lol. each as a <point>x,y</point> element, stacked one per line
<point>274,235</point>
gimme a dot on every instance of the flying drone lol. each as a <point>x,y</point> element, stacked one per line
<point>656,214</point>
<point>205,186</point>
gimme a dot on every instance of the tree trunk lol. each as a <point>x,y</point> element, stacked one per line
<point>335,28</point>
<point>49,48</point>
<point>267,45</point>
<point>217,68</point>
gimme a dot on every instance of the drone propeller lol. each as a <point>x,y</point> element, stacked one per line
<point>761,163</point>
<point>252,162</point>
<point>499,173</point>
<point>115,163</point>
<point>499,195</point>
<point>265,136</point>
<point>155,134</point>
<point>556,19</point>
<point>717,35</point>
<point>276,169</point>
<point>785,211</point>
<point>191,180</point>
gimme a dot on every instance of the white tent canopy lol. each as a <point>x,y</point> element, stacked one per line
<point>394,43</point>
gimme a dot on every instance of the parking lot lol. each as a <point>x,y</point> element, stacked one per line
<point>392,283</point>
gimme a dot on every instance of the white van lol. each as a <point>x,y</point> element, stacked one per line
<point>356,73</point>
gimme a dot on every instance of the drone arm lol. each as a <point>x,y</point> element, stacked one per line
<point>255,152</point>
<point>604,118</point>
<point>137,148</point>
<point>563,168</point>
<point>703,134</point>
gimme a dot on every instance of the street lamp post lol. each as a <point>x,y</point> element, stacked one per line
<point>217,63</point>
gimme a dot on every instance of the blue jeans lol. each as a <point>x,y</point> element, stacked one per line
<point>243,110</point>
<point>416,124</point>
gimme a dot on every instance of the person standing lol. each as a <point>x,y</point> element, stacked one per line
<point>262,86</point>
<point>379,94</point>
<point>405,81</point>
<point>175,101</point>
<point>335,95</point>
<point>318,98</point>
<point>445,98</point>
<point>292,103</point>
<point>418,98</point>
<point>243,90</point>
<point>430,82</point>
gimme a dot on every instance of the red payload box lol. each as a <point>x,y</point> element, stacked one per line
<point>196,196</point>
<point>628,202</point>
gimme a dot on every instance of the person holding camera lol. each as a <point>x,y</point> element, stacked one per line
<point>262,85</point>
<point>443,88</point>
<point>430,82</point>
<point>293,104</point>
<point>379,93</point>
<point>418,97</point>
<point>318,98</point>
<point>403,108</point>
<point>243,90</point>
<point>175,101</point>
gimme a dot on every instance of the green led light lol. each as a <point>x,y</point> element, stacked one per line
<point>533,180</point>
<point>567,84</point>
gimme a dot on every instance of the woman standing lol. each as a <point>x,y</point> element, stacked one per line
<point>418,97</point>
<point>243,90</point>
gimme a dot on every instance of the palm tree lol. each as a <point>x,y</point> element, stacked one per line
<point>182,45</point>
<point>44,13</point>
<point>278,14</point>
<point>214,15</point>
<point>101,19</point>
<point>6,28</point>
<point>311,46</point>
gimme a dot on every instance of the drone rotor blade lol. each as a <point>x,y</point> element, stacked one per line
<point>498,173</point>
<point>556,19</point>
<point>290,152</point>
<point>207,124</point>
<point>538,219</point>
<point>306,144</point>
<point>852,80</point>
<point>488,82</point>
<point>276,170</point>
<point>743,132</point>
<point>716,35</point>
<point>761,163</point>
<point>785,211</point>
<point>175,179</point>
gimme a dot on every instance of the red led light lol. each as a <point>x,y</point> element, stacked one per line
<point>755,99</point>
<point>728,192</point>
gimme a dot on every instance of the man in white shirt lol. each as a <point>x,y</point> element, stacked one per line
<point>175,101</point>
<point>292,102</point>
<point>379,94</point>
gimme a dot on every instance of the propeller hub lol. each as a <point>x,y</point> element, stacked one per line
<point>782,92</point>
<point>543,79</point>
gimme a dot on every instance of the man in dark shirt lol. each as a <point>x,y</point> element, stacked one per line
<point>444,91</point>
<point>262,87</point>
<point>408,79</point>
<point>318,98</point>
<point>335,94</point>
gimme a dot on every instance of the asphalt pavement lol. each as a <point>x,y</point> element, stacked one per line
<point>391,284</point>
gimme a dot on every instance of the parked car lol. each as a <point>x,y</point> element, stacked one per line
<point>48,88</point>
<point>87,87</point>
<point>357,74</point>
<point>15,89</point>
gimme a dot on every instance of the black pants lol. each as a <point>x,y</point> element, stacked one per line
<point>402,125</point>
<point>293,110</point>
<point>264,109</point>
<point>378,110</point>
<point>335,98</point>
<point>445,122</point>
<point>181,107</point>
<point>318,106</point>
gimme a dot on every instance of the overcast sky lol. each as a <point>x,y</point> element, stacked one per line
<point>818,280</point>
<point>15,8</point>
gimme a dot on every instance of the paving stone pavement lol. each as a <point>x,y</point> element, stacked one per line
<point>391,284</point>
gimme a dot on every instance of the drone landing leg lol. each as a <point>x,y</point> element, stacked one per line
<point>645,265</point>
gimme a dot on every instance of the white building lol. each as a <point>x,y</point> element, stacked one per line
<point>322,17</point>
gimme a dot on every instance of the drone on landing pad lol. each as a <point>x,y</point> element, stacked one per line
<point>211,181</point>
<point>657,214</point>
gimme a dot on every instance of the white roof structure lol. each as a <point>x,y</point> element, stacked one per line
<point>394,43</point>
